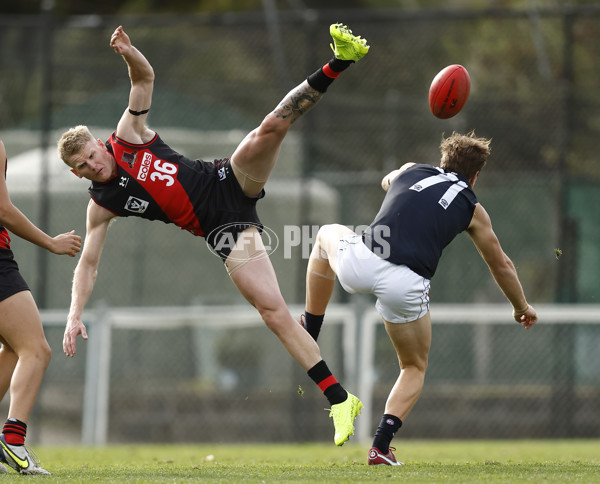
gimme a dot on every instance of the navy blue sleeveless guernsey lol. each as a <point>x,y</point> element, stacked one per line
<point>424,209</point>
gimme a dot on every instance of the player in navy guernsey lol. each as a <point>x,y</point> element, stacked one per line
<point>136,174</point>
<point>24,351</point>
<point>397,255</point>
<point>423,211</point>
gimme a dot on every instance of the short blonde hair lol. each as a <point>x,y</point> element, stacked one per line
<point>72,142</point>
<point>464,153</point>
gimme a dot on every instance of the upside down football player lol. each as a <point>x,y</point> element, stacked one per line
<point>134,173</point>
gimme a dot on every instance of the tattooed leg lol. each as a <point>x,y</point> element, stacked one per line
<point>298,101</point>
<point>255,157</point>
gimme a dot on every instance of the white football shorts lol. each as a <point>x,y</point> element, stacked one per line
<point>402,295</point>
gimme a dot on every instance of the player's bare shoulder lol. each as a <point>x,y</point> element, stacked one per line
<point>97,214</point>
<point>480,218</point>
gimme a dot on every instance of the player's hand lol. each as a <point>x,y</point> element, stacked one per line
<point>527,317</point>
<point>120,41</point>
<point>75,327</point>
<point>66,244</point>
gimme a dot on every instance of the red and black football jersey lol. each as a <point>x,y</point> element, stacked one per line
<point>4,236</point>
<point>155,182</point>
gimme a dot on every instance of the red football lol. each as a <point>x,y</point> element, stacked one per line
<point>449,91</point>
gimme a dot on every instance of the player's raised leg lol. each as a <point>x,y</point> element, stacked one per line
<point>320,275</point>
<point>255,157</point>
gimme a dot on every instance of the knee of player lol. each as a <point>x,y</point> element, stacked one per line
<point>38,354</point>
<point>45,353</point>
<point>322,233</point>
<point>328,233</point>
<point>274,125</point>
<point>417,365</point>
<point>333,230</point>
<point>275,317</point>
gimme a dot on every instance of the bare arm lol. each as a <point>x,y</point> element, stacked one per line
<point>132,128</point>
<point>98,220</point>
<point>389,178</point>
<point>15,221</point>
<point>500,265</point>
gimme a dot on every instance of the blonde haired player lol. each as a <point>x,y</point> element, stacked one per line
<point>135,173</point>
<point>396,256</point>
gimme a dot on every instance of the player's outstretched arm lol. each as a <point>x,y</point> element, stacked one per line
<point>98,220</point>
<point>500,265</point>
<point>18,223</point>
<point>132,126</point>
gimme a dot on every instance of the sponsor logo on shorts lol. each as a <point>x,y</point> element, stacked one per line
<point>145,167</point>
<point>222,172</point>
<point>136,205</point>
<point>228,236</point>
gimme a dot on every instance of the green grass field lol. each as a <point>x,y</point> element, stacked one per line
<point>426,461</point>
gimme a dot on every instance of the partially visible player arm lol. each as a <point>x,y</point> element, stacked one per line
<point>389,178</point>
<point>500,265</point>
<point>98,220</point>
<point>18,223</point>
<point>132,126</point>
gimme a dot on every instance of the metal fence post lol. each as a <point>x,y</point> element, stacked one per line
<point>365,351</point>
<point>46,123</point>
<point>96,396</point>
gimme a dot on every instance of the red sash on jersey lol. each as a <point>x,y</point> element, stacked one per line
<point>4,236</point>
<point>159,178</point>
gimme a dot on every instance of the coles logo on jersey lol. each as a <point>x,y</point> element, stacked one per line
<point>145,167</point>
<point>136,205</point>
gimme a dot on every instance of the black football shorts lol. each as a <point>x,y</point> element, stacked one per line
<point>11,281</point>
<point>233,211</point>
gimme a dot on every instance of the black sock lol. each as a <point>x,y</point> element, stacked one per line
<point>321,79</point>
<point>333,391</point>
<point>312,324</point>
<point>388,426</point>
<point>339,65</point>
